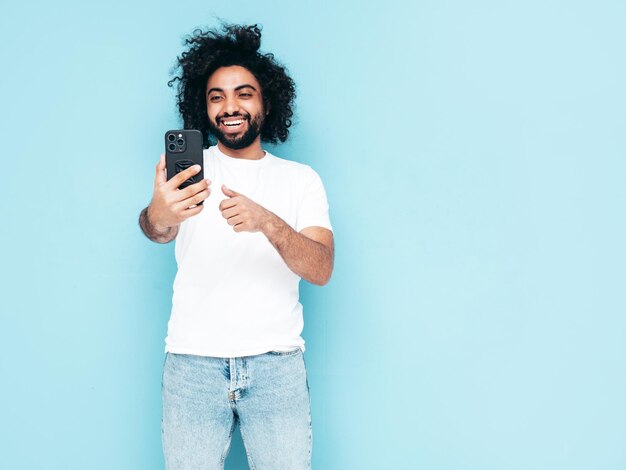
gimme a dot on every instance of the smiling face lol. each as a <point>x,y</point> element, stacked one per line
<point>235,107</point>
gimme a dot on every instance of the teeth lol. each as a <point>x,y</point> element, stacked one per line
<point>233,123</point>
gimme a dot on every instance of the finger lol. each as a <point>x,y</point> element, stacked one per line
<point>228,203</point>
<point>192,190</point>
<point>229,192</point>
<point>228,213</point>
<point>160,176</point>
<point>236,220</point>
<point>183,176</point>
<point>240,227</point>
<point>192,201</point>
<point>191,212</point>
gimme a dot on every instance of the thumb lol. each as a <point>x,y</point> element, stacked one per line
<point>229,192</point>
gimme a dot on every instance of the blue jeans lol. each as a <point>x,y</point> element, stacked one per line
<point>205,397</point>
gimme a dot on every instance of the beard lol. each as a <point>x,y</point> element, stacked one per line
<point>242,141</point>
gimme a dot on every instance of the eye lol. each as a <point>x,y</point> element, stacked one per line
<point>245,95</point>
<point>215,98</point>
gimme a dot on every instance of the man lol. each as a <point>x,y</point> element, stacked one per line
<point>233,349</point>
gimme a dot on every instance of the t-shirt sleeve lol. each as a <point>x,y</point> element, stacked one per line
<point>313,209</point>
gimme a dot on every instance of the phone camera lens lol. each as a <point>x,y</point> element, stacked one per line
<point>172,147</point>
<point>171,137</point>
<point>180,142</point>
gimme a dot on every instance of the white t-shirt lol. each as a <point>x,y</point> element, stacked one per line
<point>233,294</point>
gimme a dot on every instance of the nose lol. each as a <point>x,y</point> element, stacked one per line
<point>231,105</point>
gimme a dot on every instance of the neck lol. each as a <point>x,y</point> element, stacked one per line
<point>251,152</point>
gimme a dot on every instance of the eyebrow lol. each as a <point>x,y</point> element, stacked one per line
<point>245,85</point>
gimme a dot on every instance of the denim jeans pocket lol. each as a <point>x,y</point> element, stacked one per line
<point>291,352</point>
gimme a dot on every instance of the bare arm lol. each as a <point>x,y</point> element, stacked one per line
<point>309,253</point>
<point>170,206</point>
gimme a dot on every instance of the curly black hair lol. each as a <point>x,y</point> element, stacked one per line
<point>237,45</point>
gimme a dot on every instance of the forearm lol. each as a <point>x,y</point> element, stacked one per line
<point>154,233</point>
<point>310,260</point>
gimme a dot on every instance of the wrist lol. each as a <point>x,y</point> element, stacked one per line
<point>274,228</point>
<point>156,227</point>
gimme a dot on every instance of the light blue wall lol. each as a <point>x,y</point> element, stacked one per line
<point>474,157</point>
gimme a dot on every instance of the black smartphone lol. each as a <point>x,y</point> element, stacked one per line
<point>183,149</point>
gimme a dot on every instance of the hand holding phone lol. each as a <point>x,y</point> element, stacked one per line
<point>170,206</point>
